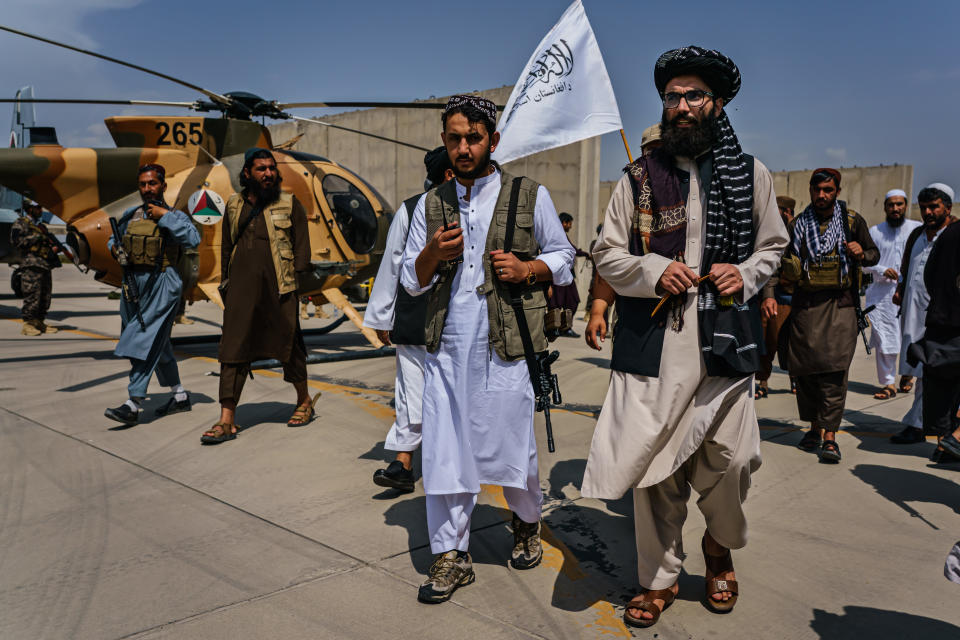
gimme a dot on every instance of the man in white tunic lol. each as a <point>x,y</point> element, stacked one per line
<point>935,202</point>
<point>478,400</point>
<point>679,412</point>
<point>398,319</point>
<point>890,236</point>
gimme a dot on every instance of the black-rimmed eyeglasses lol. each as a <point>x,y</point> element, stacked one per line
<point>694,98</point>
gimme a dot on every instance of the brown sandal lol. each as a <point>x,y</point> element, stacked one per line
<point>906,384</point>
<point>667,595</point>
<point>886,393</point>
<point>219,432</point>
<point>717,565</point>
<point>304,414</point>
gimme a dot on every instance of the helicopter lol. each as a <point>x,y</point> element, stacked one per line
<point>203,155</point>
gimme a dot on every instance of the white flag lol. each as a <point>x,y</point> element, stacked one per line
<point>563,95</point>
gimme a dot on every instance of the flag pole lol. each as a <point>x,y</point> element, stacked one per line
<point>625,145</point>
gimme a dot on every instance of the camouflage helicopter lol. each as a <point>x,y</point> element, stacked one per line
<point>347,218</point>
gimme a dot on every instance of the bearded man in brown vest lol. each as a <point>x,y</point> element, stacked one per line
<point>265,244</point>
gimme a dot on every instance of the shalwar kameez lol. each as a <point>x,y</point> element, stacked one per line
<point>477,408</point>
<point>885,326</point>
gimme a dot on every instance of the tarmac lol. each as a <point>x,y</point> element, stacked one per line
<point>109,532</point>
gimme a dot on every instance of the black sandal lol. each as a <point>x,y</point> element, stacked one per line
<point>829,451</point>
<point>810,441</point>
<point>762,391</point>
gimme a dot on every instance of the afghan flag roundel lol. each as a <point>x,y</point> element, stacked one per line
<point>206,206</point>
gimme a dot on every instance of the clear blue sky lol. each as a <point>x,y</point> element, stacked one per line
<point>825,83</point>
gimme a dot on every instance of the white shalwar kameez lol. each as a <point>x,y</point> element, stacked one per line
<point>885,326</point>
<point>661,436</point>
<point>477,408</point>
<point>913,315</point>
<point>404,434</point>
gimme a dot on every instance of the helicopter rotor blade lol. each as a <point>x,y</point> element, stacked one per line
<point>216,97</point>
<point>381,105</point>
<point>363,133</point>
<point>145,103</point>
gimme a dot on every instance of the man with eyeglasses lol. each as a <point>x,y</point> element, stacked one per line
<point>691,235</point>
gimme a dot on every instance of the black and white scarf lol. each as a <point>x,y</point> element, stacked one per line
<point>807,232</point>
<point>729,215</point>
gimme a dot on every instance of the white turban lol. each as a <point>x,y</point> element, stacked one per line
<point>941,187</point>
<point>894,193</point>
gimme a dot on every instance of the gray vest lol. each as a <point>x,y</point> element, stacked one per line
<point>504,333</point>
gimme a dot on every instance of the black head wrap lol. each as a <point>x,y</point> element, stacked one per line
<point>484,106</point>
<point>258,152</point>
<point>437,162</point>
<point>716,69</point>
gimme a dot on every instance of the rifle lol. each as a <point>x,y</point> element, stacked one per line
<point>546,386</point>
<point>59,246</point>
<point>130,291</point>
<point>862,322</point>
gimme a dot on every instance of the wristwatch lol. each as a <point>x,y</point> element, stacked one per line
<point>531,275</point>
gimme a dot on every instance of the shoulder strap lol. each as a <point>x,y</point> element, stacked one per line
<point>516,301</point>
<point>410,204</point>
<point>512,215</point>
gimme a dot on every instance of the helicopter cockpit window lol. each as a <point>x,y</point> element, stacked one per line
<point>353,213</point>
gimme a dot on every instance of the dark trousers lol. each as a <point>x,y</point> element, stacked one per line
<point>37,287</point>
<point>234,375</point>
<point>771,335</point>
<point>821,398</point>
<point>941,398</point>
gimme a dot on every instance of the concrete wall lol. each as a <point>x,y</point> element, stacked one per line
<point>862,187</point>
<point>571,173</point>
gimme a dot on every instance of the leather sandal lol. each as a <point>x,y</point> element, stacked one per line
<point>906,384</point>
<point>717,565</point>
<point>667,595</point>
<point>304,414</point>
<point>219,432</point>
<point>886,393</point>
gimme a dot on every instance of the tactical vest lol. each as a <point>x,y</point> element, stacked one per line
<point>504,336</point>
<point>410,312</point>
<point>41,248</point>
<point>826,275</point>
<point>146,246</point>
<point>279,232</point>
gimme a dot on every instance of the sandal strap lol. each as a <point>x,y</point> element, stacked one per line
<point>715,585</point>
<point>667,595</point>
<point>220,428</point>
<point>831,444</point>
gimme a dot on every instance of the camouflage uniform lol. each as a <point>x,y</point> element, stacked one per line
<point>36,256</point>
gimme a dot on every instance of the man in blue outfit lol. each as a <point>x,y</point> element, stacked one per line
<point>152,237</point>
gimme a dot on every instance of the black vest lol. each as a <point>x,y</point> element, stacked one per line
<point>638,338</point>
<point>410,315</point>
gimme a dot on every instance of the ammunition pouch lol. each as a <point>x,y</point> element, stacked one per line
<point>146,246</point>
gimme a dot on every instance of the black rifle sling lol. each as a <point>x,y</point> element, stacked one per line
<point>516,299</point>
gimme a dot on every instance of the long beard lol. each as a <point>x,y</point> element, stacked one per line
<point>479,171</point>
<point>689,142</point>
<point>265,195</point>
<point>895,221</point>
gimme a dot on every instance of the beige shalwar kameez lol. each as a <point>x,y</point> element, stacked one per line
<point>662,435</point>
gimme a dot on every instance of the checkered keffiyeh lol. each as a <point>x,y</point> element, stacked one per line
<point>807,232</point>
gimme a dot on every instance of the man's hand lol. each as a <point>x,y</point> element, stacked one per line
<point>446,245</point>
<point>855,250</point>
<point>891,273</point>
<point>154,212</point>
<point>676,278</point>
<point>596,331</point>
<point>508,267</point>
<point>768,308</point>
<point>727,279</point>
<point>384,337</point>
<point>897,298</point>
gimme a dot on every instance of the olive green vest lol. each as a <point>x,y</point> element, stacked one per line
<point>145,245</point>
<point>826,275</point>
<point>504,332</point>
<point>279,232</point>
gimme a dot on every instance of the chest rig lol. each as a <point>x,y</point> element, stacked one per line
<point>147,246</point>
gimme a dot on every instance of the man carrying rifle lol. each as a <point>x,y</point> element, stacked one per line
<point>38,256</point>
<point>477,245</point>
<point>146,242</point>
<point>830,246</point>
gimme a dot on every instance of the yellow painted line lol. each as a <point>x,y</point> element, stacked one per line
<point>557,556</point>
